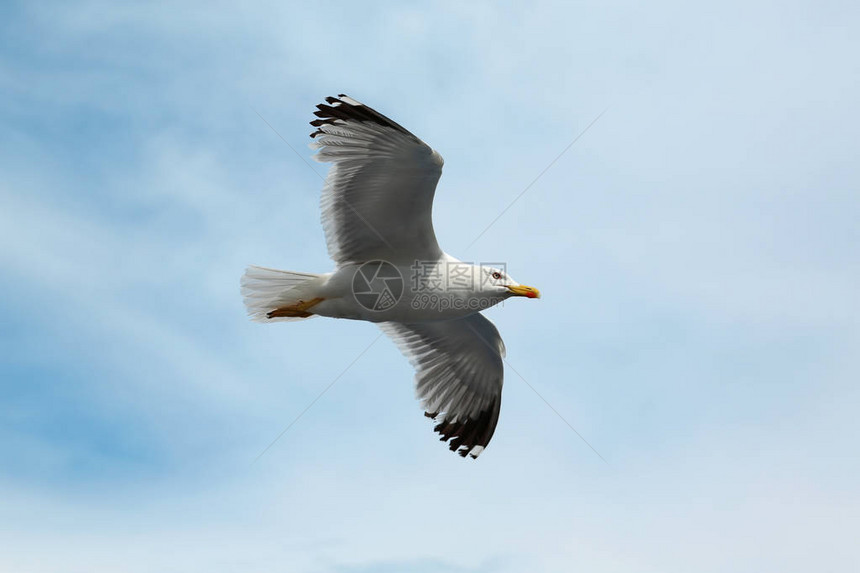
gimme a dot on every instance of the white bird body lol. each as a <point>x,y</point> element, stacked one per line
<point>376,213</point>
<point>414,305</point>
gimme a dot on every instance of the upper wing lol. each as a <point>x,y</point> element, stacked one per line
<point>459,374</point>
<point>378,196</point>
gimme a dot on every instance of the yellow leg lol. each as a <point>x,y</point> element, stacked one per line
<point>298,310</point>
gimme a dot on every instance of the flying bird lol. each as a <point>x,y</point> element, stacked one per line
<point>376,207</point>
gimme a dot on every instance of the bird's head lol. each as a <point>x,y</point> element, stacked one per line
<point>500,282</point>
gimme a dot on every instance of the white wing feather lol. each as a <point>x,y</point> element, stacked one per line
<point>378,196</point>
<point>459,374</point>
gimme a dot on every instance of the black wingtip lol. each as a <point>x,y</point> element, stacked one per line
<point>471,433</point>
<point>345,111</point>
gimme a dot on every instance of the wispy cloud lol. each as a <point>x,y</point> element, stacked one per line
<point>696,255</point>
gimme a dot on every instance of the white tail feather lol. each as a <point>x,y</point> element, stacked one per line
<point>264,290</point>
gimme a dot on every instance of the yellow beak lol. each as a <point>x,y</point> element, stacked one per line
<point>522,290</point>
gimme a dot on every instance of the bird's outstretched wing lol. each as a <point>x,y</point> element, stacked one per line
<point>378,196</point>
<point>458,376</point>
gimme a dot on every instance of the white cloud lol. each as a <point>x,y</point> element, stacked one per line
<point>700,236</point>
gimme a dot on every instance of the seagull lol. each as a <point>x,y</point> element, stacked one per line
<point>376,206</point>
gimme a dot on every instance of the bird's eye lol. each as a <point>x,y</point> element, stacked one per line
<point>497,275</point>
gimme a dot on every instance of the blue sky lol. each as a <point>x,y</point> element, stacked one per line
<point>696,250</point>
